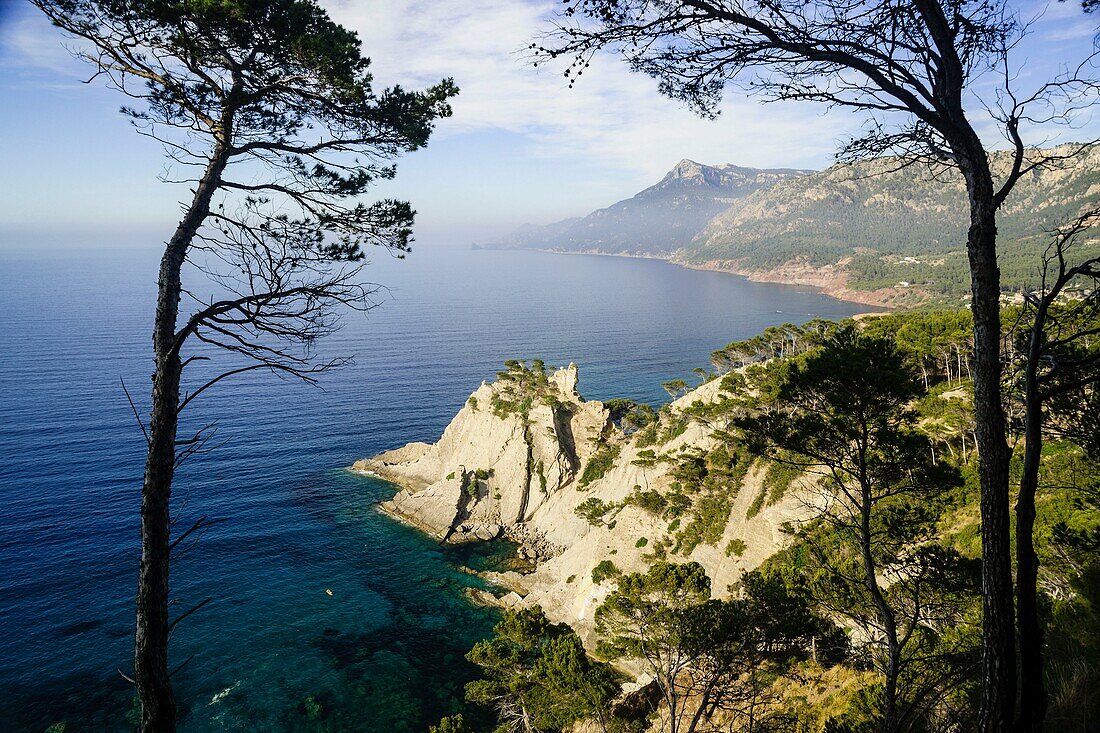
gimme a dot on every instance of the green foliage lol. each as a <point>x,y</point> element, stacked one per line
<point>673,427</point>
<point>703,492</point>
<point>894,225</point>
<point>778,478</point>
<point>638,418</point>
<point>776,342</point>
<point>642,542</point>
<point>666,621</point>
<point>451,724</point>
<point>313,708</point>
<point>736,547</point>
<point>757,503</point>
<point>604,570</point>
<point>650,501</point>
<point>675,387</point>
<point>647,436</point>
<point>538,672</point>
<point>471,485</point>
<point>520,387</point>
<point>846,407</point>
<point>655,597</point>
<point>602,461</point>
<point>593,510</point>
<point>710,513</point>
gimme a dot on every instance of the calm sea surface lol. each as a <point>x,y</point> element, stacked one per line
<point>273,651</point>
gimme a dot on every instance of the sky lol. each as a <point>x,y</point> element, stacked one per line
<point>521,147</point>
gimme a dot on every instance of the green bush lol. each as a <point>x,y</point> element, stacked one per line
<point>602,461</point>
<point>604,570</point>
<point>650,501</point>
<point>592,510</point>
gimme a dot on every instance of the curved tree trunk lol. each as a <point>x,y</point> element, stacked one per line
<point>1033,699</point>
<point>151,673</point>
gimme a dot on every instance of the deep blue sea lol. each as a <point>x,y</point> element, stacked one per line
<point>273,651</point>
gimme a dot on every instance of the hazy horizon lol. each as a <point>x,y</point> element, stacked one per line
<point>521,148</point>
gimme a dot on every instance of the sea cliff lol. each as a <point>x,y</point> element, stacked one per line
<point>529,458</point>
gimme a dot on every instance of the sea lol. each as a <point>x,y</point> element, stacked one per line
<point>324,615</point>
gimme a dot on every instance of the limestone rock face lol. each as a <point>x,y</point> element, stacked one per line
<point>510,464</point>
<point>515,445</point>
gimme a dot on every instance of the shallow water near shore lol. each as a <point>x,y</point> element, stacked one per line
<point>273,651</point>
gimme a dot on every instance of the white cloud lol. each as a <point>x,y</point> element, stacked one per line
<point>28,41</point>
<point>611,115</point>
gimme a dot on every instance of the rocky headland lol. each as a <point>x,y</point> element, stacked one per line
<point>529,458</point>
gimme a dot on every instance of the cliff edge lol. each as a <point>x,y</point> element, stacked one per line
<point>529,458</point>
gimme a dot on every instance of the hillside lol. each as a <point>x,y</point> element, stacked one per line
<point>660,219</point>
<point>869,225</point>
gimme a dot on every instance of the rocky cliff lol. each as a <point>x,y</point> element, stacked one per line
<point>529,458</point>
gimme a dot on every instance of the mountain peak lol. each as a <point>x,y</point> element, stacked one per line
<point>687,166</point>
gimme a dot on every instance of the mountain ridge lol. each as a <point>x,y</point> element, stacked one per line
<point>659,219</point>
<point>871,231</point>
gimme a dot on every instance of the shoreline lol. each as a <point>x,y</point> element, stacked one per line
<point>836,292</point>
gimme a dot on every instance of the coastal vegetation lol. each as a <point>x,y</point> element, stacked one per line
<point>819,536</point>
<point>912,70</point>
<point>874,600</point>
<point>537,676</point>
<point>886,223</point>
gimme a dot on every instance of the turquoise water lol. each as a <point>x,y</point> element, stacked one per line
<point>273,651</point>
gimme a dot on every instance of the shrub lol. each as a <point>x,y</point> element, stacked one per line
<point>757,503</point>
<point>604,570</point>
<point>777,479</point>
<point>650,501</point>
<point>592,510</point>
<point>602,461</point>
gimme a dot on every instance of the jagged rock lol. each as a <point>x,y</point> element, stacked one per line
<point>432,510</point>
<point>492,468</point>
<point>529,493</point>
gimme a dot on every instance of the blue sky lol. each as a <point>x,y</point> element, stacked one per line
<point>521,147</point>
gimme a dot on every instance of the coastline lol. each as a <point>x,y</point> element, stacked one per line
<point>831,284</point>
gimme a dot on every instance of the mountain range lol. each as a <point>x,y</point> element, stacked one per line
<point>873,231</point>
<point>660,219</point>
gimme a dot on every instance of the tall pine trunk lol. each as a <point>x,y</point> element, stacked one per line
<point>886,615</point>
<point>1033,699</point>
<point>151,672</point>
<point>998,613</point>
